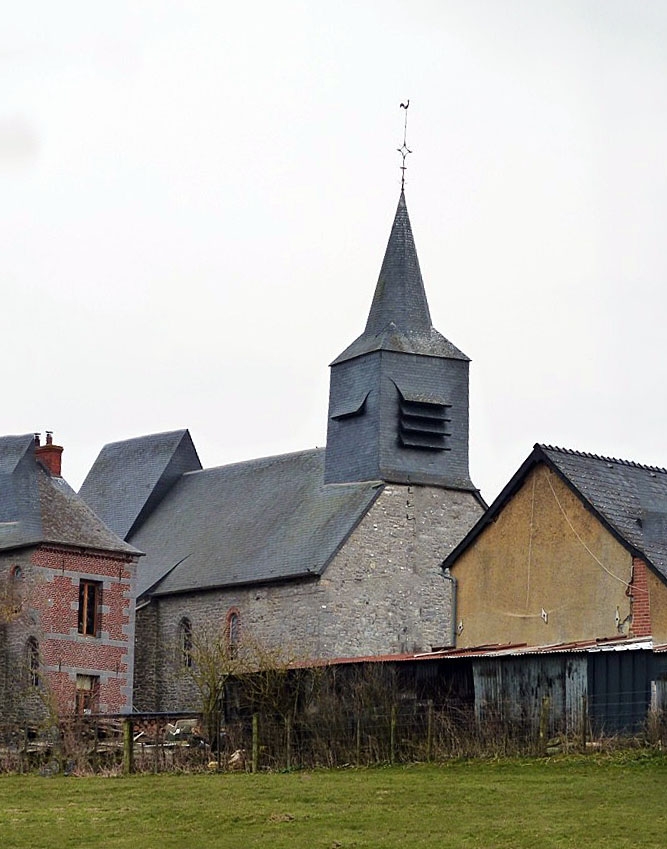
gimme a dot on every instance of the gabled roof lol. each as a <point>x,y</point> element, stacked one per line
<point>630,499</point>
<point>37,507</point>
<point>130,478</point>
<point>263,520</point>
<point>399,319</point>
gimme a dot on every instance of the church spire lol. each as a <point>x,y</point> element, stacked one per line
<point>398,395</point>
<point>399,295</point>
<point>399,318</point>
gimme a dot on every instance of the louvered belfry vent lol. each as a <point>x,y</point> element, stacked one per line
<point>423,422</point>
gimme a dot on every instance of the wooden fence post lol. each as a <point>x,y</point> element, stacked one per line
<point>392,735</point>
<point>128,747</point>
<point>288,742</point>
<point>23,754</point>
<point>156,750</point>
<point>544,724</point>
<point>584,722</point>
<point>429,732</point>
<point>255,742</point>
<point>358,740</point>
<point>218,735</point>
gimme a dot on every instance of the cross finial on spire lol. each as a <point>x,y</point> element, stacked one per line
<point>404,149</point>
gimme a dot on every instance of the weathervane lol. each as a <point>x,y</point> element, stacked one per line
<point>404,149</point>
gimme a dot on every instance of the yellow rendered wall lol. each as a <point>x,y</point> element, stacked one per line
<point>657,593</point>
<point>545,551</point>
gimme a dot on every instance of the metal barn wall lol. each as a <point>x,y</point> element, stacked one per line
<point>513,688</point>
<point>619,687</point>
<point>659,683</point>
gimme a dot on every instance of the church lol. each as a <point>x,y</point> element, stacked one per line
<point>335,552</point>
<point>376,547</point>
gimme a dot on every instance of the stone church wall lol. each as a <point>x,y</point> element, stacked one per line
<point>384,593</point>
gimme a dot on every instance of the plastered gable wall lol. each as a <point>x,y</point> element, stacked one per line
<point>383,593</point>
<point>543,552</point>
<point>657,593</point>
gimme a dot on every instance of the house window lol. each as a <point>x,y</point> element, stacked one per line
<point>90,603</point>
<point>233,632</point>
<point>87,694</point>
<point>32,662</point>
<point>185,642</point>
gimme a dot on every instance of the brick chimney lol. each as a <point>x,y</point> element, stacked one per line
<point>49,455</point>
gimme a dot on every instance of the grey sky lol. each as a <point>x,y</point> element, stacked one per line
<point>196,197</point>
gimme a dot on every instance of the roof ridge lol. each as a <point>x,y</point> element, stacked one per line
<point>269,460</point>
<point>630,463</point>
<point>143,437</point>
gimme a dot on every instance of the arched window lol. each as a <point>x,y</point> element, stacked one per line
<point>233,631</point>
<point>185,642</point>
<point>32,661</point>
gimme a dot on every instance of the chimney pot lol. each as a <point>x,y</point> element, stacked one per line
<point>49,455</point>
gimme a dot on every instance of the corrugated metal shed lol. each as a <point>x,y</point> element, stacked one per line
<point>512,690</point>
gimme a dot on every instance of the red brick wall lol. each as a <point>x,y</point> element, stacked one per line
<point>65,652</point>
<point>639,598</point>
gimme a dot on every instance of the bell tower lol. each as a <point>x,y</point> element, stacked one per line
<point>398,397</point>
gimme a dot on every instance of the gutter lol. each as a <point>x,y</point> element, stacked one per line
<point>447,575</point>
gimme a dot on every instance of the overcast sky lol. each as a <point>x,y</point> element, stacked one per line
<point>195,199</point>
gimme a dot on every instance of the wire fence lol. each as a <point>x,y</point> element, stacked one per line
<point>396,733</point>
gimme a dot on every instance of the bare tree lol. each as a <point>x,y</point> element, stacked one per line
<point>210,662</point>
<point>277,679</point>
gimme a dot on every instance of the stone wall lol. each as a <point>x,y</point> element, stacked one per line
<point>384,593</point>
<point>19,701</point>
<point>146,637</point>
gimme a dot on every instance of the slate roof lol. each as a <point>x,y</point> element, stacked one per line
<point>37,507</point>
<point>261,520</point>
<point>630,499</point>
<point>399,318</point>
<point>129,478</point>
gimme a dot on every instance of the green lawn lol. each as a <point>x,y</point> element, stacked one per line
<point>602,802</point>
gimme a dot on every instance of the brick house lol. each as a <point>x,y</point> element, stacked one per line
<point>68,582</point>
<point>336,551</point>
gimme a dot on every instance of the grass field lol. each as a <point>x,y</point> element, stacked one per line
<point>581,803</point>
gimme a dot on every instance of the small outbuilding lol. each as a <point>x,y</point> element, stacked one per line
<point>568,569</point>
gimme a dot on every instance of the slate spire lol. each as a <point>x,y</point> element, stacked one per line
<point>398,395</point>
<point>399,295</point>
<point>399,318</point>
